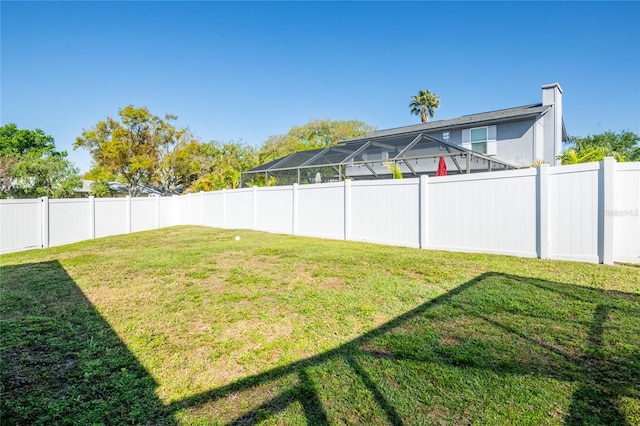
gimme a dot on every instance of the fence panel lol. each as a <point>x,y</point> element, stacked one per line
<point>321,210</point>
<point>181,210</point>
<point>239,209</point>
<point>20,225</point>
<point>626,220</point>
<point>487,213</point>
<point>111,217</point>
<point>167,214</point>
<point>573,212</point>
<point>143,214</point>
<point>194,214</point>
<point>69,221</point>
<point>385,212</point>
<point>274,209</point>
<point>213,209</point>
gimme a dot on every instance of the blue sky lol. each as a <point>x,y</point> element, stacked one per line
<point>245,71</point>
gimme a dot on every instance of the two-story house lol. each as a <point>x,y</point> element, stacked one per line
<point>495,140</point>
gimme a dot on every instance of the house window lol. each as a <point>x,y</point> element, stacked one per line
<point>479,140</point>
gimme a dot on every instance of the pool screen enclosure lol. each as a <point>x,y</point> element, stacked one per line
<point>374,158</point>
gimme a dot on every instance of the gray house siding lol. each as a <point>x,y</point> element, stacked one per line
<point>455,136</point>
<point>514,141</point>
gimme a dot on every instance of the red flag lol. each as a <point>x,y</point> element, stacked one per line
<point>442,168</point>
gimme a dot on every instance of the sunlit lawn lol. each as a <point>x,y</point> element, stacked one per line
<point>187,325</point>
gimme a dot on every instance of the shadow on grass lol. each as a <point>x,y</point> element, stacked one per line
<point>497,349</point>
<point>61,363</point>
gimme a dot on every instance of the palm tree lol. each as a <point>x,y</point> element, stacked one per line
<point>424,104</point>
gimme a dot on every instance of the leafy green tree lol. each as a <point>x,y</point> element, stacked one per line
<point>131,148</point>
<point>30,166</point>
<point>623,146</point>
<point>101,189</point>
<point>101,176</point>
<point>424,104</point>
<point>221,165</point>
<point>46,174</point>
<point>7,180</point>
<point>14,141</point>
<point>315,134</point>
<point>178,167</point>
<point>586,155</point>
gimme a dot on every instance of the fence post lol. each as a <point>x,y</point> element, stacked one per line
<point>606,210</point>
<point>45,222</point>
<point>128,213</point>
<point>294,213</point>
<point>542,213</point>
<point>254,206</point>
<point>224,208</point>
<point>423,219</point>
<point>347,209</point>
<point>92,217</point>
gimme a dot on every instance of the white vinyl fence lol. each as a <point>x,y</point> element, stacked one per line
<point>587,212</point>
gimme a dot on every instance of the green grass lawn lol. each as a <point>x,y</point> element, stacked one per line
<point>188,326</point>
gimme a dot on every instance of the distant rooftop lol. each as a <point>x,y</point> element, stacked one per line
<point>465,120</point>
